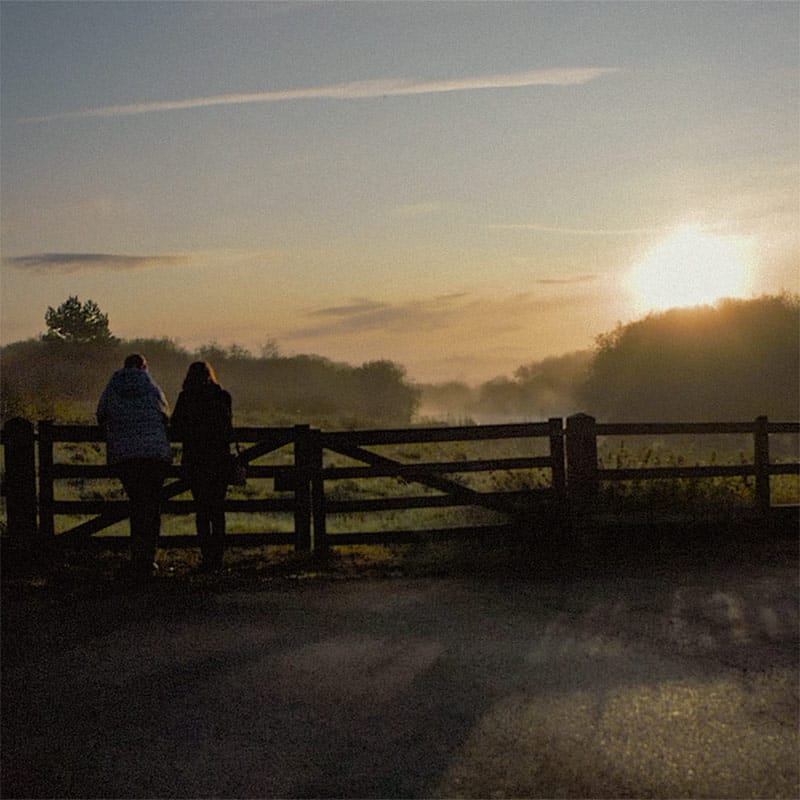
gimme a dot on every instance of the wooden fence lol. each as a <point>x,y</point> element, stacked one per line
<point>312,460</point>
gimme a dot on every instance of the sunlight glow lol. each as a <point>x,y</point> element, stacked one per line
<point>689,268</point>
<point>682,736</point>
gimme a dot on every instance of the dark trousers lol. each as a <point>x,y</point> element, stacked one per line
<point>143,480</point>
<point>209,488</point>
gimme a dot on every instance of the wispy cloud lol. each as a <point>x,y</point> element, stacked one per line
<point>533,226</point>
<point>363,316</point>
<point>439,313</point>
<point>561,281</point>
<point>357,308</point>
<point>355,90</point>
<point>83,262</point>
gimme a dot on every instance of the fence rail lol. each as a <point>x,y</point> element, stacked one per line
<point>304,477</point>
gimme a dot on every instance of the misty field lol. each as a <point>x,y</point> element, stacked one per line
<point>735,361</point>
<point>716,496</point>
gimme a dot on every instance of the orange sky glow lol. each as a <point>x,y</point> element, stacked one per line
<point>462,188</point>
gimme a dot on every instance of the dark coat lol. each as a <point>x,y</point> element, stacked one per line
<point>203,422</point>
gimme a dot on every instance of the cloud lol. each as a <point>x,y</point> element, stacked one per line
<point>560,281</point>
<point>84,262</point>
<point>355,90</point>
<point>360,317</point>
<point>576,231</point>
<point>358,307</point>
<point>456,311</point>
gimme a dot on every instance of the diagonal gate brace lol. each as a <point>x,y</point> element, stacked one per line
<point>413,473</point>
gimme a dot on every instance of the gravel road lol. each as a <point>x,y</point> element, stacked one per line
<point>635,685</point>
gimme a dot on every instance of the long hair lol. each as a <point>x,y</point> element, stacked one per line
<point>200,374</point>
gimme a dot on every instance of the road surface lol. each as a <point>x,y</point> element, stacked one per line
<point>628,685</point>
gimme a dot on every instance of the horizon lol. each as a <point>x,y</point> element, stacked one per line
<point>459,188</point>
<point>270,350</point>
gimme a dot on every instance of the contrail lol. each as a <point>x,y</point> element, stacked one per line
<point>356,90</point>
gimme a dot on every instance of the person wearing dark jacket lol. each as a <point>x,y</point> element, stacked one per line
<point>203,422</point>
<point>133,411</point>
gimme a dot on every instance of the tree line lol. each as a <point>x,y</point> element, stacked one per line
<point>61,374</point>
<point>732,361</point>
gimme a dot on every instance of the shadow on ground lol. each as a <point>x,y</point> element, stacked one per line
<point>594,668</point>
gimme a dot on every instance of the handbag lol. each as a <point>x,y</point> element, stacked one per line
<point>237,469</point>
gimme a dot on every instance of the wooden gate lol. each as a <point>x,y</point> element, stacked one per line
<point>298,485</point>
<point>435,479</point>
<point>319,481</point>
<point>107,512</point>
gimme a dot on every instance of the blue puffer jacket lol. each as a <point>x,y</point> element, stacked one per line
<point>134,411</point>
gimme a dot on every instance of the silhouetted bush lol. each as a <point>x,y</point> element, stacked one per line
<point>732,361</point>
<point>62,380</point>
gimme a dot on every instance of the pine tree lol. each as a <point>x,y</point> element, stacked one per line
<point>82,323</point>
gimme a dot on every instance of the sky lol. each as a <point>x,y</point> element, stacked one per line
<point>461,188</point>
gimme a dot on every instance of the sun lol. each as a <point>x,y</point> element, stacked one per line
<point>690,268</point>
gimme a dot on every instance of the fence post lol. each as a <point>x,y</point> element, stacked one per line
<point>317,492</point>
<point>582,475</point>
<point>302,489</point>
<point>19,441</point>
<point>47,525</point>
<point>557,457</point>
<point>761,463</point>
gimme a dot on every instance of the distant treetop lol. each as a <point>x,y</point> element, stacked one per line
<point>80,323</point>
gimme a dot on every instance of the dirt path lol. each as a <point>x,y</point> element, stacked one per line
<point>634,686</point>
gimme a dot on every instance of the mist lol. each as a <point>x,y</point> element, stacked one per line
<point>732,361</point>
<point>537,391</point>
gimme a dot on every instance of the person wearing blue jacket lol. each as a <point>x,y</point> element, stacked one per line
<point>134,413</point>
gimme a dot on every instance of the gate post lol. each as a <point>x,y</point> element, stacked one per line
<point>317,483</point>
<point>19,442</point>
<point>761,462</point>
<point>302,489</point>
<point>582,475</point>
<point>557,457</point>
<point>47,526</point>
